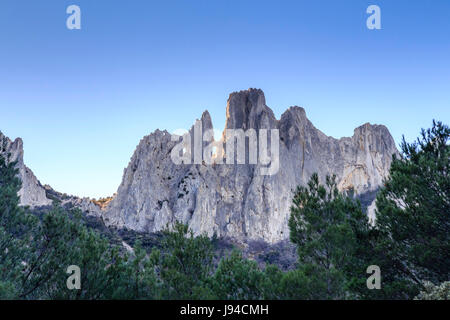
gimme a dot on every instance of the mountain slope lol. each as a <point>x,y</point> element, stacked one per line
<point>32,192</point>
<point>236,200</point>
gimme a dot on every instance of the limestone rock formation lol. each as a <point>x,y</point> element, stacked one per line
<point>32,192</point>
<point>236,200</point>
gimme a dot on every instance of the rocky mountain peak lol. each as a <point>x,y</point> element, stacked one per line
<point>229,199</point>
<point>247,109</point>
<point>234,200</point>
<point>14,148</point>
<point>206,120</point>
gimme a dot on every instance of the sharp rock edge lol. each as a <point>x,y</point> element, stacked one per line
<point>229,200</point>
<point>235,200</point>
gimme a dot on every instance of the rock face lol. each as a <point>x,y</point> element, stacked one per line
<point>32,192</point>
<point>236,200</point>
<point>215,191</point>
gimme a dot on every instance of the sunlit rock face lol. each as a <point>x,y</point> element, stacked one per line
<point>221,196</point>
<point>32,192</point>
<point>236,200</point>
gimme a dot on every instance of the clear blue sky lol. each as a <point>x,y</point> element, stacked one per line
<point>82,99</point>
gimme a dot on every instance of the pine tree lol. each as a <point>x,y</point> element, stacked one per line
<point>325,225</point>
<point>413,208</point>
<point>15,226</point>
<point>237,278</point>
<point>183,265</point>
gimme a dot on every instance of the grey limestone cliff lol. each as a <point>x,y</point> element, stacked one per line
<point>32,192</point>
<point>236,200</point>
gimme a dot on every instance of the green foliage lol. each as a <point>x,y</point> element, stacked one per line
<point>410,241</point>
<point>324,225</point>
<point>183,265</point>
<point>432,292</point>
<point>371,251</point>
<point>134,276</point>
<point>15,226</point>
<point>8,291</point>
<point>289,285</point>
<point>62,240</point>
<point>237,278</point>
<point>413,208</point>
<point>36,253</point>
<point>335,245</point>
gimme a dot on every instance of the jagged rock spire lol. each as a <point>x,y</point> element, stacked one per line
<point>234,200</point>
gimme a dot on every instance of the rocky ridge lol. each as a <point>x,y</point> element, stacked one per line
<point>229,200</point>
<point>236,200</point>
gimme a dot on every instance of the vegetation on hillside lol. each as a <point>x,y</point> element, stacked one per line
<point>335,245</point>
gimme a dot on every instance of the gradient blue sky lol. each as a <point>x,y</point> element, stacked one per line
<point>82,99</point>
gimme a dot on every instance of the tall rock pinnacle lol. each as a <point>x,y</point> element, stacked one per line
<point>247,109</point>
<point>234,199</point>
